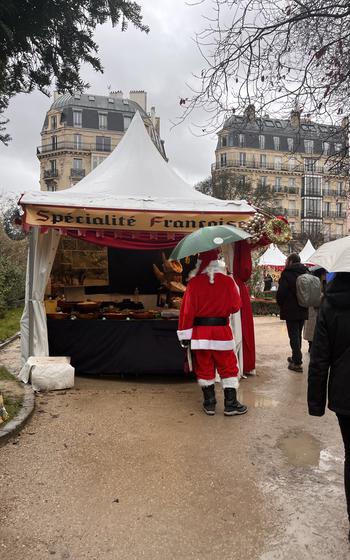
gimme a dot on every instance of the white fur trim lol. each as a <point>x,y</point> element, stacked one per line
<point>212,344</point>
<point>184,335</point>
<point>252,372</point>
<point>205,382</point>
<point>230,383</point>
<point>214,267</point>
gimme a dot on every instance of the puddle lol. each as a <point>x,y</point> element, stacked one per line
<point>256,400</point>
<point>301,449</point>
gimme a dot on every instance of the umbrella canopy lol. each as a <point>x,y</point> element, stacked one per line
<point>334,256</point>
<point>306,252</point>
<point>206,238</point>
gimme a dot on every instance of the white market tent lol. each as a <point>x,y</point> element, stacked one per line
<point>306,252</point>
<point>133,199</point>
<point>273,258</point>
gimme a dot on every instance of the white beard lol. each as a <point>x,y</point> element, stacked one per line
<point>214,267</point>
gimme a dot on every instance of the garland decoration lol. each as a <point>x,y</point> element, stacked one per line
<point>12,221</point>
<point>255,227</point>
<point>278,230</point>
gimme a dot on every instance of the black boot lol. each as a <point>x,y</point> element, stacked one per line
<point>209,399</point>
<point>232,405</point>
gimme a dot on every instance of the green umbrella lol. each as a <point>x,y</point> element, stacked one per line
<point>206,238</point>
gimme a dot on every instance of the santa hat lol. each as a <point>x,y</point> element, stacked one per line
<point>205,259</point>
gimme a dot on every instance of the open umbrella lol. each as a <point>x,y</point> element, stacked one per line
<point>206,238</point>
<point>334,256</point>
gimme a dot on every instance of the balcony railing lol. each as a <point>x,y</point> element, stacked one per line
<point>311,192</point>
<point>50,173</point>
<point>284,190</point>
<point>334,214</point>
<point>292,212</point>
<point>73,146</point>
<point>276,168</point>
<point>311,214</point>
<point>77,172</point>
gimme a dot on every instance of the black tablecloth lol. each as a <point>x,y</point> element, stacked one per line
<point>98,347</point>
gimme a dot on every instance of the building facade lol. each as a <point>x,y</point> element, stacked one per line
<point>81,130</point>
<point>298,160</point>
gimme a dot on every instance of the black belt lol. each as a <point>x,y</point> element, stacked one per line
<point>210,321</point>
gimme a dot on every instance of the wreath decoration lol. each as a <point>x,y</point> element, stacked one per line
<point>255,227</point>
<point>13,224</point>
<point>278,230</point>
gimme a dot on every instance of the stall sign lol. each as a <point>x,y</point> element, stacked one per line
<point>75,218</point>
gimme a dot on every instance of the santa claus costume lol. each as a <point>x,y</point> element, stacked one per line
<point>210,298</point>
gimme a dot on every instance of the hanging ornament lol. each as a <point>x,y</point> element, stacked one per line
<point>278,230</point>
<point>12,221</point>
<point>255,227</point>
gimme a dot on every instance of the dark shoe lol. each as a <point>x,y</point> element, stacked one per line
<point>209,402</point>
<point>290,360</point>
<point>232,406</point>
<point>349,536</point>
<point>295,367</point>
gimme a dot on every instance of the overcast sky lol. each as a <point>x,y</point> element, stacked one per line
<point>161,63</point>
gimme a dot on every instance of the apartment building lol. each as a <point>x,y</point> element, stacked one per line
<point>81,130</point>
<point>298,159</point>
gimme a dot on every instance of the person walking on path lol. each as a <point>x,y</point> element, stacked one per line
<point>310,323</point>
<point>211,297</point>
<point>329,364</point>
<point>290,310</point>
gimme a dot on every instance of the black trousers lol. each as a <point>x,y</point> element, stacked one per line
<point>344,423</point>
<point>295,329</point>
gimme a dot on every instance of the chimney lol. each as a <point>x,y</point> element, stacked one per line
<point>139,97</point>
<point>250,113</point>
<point>295,119</point>
<point>116,94</point>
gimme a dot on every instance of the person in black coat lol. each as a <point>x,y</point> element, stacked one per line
<point>329,368</point>
<point>290,311</point>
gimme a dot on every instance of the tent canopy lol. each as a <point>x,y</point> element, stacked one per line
<point>306,252</point>
<point>273,257</point>
<point>129,190</point>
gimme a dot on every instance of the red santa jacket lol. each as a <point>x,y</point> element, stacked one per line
<point>205,299</point>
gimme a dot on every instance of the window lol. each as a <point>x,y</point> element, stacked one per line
<point>339,209</point>
<point>223,141</point>
<point>312,186</point>
<point>54,122</point>
<point>77,142</point>
<point>241,140</point>
<point>312,207</point>
<point>309,146</point>
<point>242,158</point>
<point>230,139</point>
<point>276,142</point>
<point>263,181</point>
<point>102,121</point>
<point>269,124</point>
<point>338,147</point>
<point>326,146</point>
<point>77,164</point>
<point>326,209</point>
<point>278,163</point>
<point>77,118</point>
<point>263,161</point>
<point>278,186</point>
<point>311,227</point>
<point>54,142</point>
<point>127,121</point>
<point>53,167</point>
<point>223,160</point>
<point>292,188</point>
<point>340,187</point>
<point>51,187</point>
<point>91,98</point>
<point>96,160</point>
<point>290,143</point>
<point>261,142</point>
<point>292,164</point>
<point>278,124</point>
<point>103,143</point>
<point>310,165</point>
<point>110,100</point>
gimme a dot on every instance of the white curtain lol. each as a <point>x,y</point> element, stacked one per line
<point>235,319</point>
<point>41,254</point>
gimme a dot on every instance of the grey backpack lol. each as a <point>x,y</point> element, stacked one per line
<point>308,289</point>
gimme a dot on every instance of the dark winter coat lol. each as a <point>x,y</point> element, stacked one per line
<point>330,353</point>
<point>286,295</point>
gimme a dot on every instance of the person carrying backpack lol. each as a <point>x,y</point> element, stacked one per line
<point>290,309</point>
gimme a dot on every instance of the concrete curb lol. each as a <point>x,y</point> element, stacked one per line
<point>17,423</point>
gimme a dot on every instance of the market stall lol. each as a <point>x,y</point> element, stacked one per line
<point>306,252</point>
<point>133,202</point>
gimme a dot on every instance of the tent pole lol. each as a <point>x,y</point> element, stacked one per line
<point>30,291</point>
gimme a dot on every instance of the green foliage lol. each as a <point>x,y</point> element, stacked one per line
<point>42,40</point>
<point>229,186</point>
<point>13,257</point>
<point>265,307</point>
<point>10,323</point>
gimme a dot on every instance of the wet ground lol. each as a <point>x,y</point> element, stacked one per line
<point>119,470</point>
